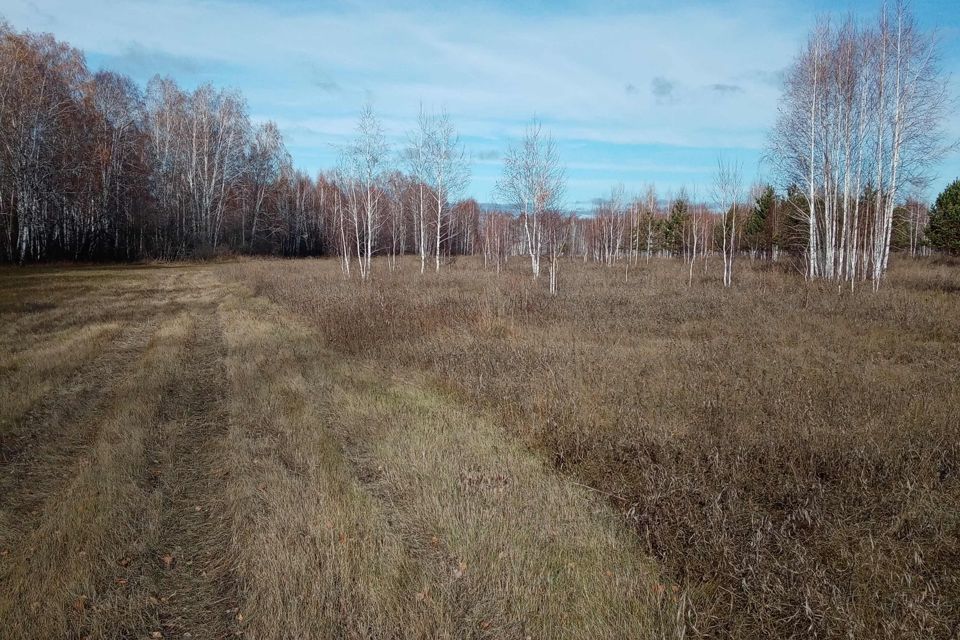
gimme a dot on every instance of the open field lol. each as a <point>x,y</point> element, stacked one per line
<point>181,457</point>
<point>261,448</point>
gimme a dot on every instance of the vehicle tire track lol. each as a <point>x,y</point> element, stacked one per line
<point>181,585</point>
<point>38,449</point>
<point>53,573</point>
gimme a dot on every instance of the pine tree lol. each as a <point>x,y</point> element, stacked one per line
<point>674,225</point>
<point>757,227</point>
<point>943,232</point>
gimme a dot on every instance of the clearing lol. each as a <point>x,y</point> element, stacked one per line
<point>179,458</point>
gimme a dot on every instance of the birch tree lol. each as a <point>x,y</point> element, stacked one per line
<point>859,127</point>
<point>267,157</point>
<point>217,128</point>
<point>416,159</point>
<point>533,182</point>
<point>447,172</point>
<point>556,229</point>
<point>365,166</point>
<point>496,229</point>
<point>727,187</point>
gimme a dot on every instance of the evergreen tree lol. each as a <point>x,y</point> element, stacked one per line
<point>943,231</point>
<point>757,228</point>
<point>674,225</point>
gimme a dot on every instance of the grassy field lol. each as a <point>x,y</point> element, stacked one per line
<point>262,448</point>
<point>182,457</point>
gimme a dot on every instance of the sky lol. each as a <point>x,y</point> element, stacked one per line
<point>634,93</point>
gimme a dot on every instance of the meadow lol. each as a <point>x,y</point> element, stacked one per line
<point>263,448</point>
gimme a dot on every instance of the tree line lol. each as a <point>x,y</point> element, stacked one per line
<point>94,168</point>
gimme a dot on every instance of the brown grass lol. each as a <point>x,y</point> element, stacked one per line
<point>790,453</point>
<point>200,461</point>
<point>370,508</point>
<point>84,517</point>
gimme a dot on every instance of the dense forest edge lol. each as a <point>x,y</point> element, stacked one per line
<point>94,168</point>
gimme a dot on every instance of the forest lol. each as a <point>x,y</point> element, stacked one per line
<point>95,168</point>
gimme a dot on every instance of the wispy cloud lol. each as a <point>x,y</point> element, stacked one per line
<point>43,17</point>
<point>662,89</point>
<point>725,88</point>
<point>138,60</point>
<point>488,154</point>
<point>600,76</point>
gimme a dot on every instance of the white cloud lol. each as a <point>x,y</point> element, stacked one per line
<point>587,74</point>
<point>488,67</point>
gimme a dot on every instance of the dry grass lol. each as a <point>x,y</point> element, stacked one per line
<point>465,456</point>
<point>84,523</point>
<point>507,549</point>
<point>370,508</point>
<point>789,453</point>
<point>200,461</point>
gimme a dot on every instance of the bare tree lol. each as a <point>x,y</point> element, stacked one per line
<point>267,156</point>
<point>416,158</point>
<point>365,165</point>
<point>650,212</point>
<point>610,218</point>
<point>397,187</point>
<point>727,188</point>
<point>497,232</point>
<point>556,231</point>
<point>917,219</point>
<point>533,182</point>
<point>859,123</point>
<point>697,224</point>
<point>217,130</point>
<point>447,173</point>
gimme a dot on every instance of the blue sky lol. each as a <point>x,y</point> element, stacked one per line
<point>634,93</point>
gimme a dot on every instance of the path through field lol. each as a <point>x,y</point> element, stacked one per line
<point>179,458</point>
